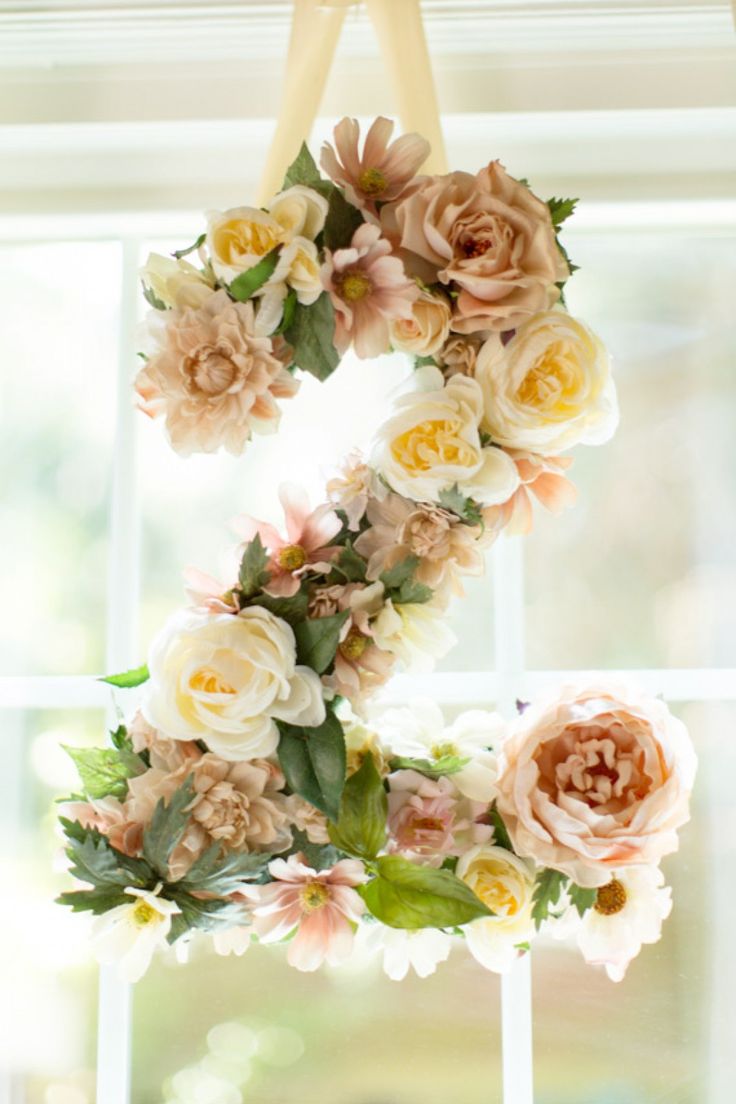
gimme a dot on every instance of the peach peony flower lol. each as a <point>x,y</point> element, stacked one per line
<point>369,289</point>
<point>540,476</point>
<point>382,172</point>
<point>321,905</point>
<point>307,547</point>
<point>596,779</point>
<point>213,377</point>
<point>487,235</point>
<point>445,546</point>
<point>353,487</point>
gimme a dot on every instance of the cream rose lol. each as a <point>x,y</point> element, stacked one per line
<point>239,238</point>
<point>432,442</point>
<point>176,283</point>
<point>414,632</point>
<point>226,679</point>
<point>299,267</point>
<point>300,211</point>
<point>549,388</point>
<point>504,883</point>
<point>426,331</point>
<point>596,779</point>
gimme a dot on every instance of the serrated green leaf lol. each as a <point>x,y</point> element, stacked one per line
<point>433,768</point>
<point>317,640</point>
<point>104,772</point>
<point>412,593</point>
<point>467,509</point>
<point>501,836</point>
<point>342,221</point>
<point>311,336</point>
<point>547,889</point>
<point>350,564</point>
<point>95,861</point>
<point>404,895</point>
<point>152,299</point>
<point>581,898</point>
<point>126,680</point>
<point>561,209</point>
<point>293,610</point>
<point>313,761</point>
<point>98,900</point>
<point>302,170</point>
<point>167,827</point>
<point>209,914</point>
<point>360,830</point>
<point>247,283</point>
<point>400,573</point>
<point>223,872</point>
<point>253,574</point>
<point>320,856</point>
<point>179,253</point>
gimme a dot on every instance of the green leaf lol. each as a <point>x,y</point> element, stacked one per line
<point>320,856</point>
<point>302,170</point>
<point>95,861</point>
<point>467,509</point>
<point>179,253</point>
<point>293,610</point>
<point>561,209</point>
<point>342,221</point>
<point>247,283</point>
<point>223,872</point>
<point>581,898</point>
<point>350,565</point>
<point>404,895</point>
<point>205,915</point>
<point>311,335</point>
<point>288,313</point>
<point>313,762</point>
<point>412,593</point>
<point>98,900</point>
<point>128,679</point>
<point>433,768</point>
<point>252,574</point>
<point>152,299</point>
<point>317,639</point>
<point>360,829</point>
<point>400,573</point>
<point>501,836</point>
<point>105,771</point>
<point>547,889</point>
<point>167,827</point>
<point>423,361</point>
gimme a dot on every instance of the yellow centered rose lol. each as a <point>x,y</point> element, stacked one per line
<point>504,883</point>
<point>432,443</point>
<point>176,283</point>
<point>549,388</point>
<point>427,330</point>
<point>239,238</point>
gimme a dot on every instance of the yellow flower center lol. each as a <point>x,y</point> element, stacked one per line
<point>237,237</point>
<point>355,286</point>
<point>292,557</point>
<point>439,751</point>
<point>210,682</point>
<point>354,644</point>
<point>610,898</point>
<point>497,892</point>
<point>552,382</point>
<point>144,914</point>
<point>372,182</point>
<point>314,896</point>
<point>432,443</point>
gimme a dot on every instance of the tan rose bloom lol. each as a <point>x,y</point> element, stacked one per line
<point>424,333</point>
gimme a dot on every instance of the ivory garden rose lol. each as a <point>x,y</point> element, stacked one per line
<point>226,680</point>
<point>426,331</point>
<point>504,883</point>
<point>548,388</point>
<point>596,779</point>
<point>432,443</point>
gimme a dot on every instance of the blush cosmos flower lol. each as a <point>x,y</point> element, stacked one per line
<point>369,289</point>
<point>382,172</point>
<point>321,905</point>
<point>306,546</point>
<point>540,477</point>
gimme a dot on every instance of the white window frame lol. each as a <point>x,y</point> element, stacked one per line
<point>509,681</point>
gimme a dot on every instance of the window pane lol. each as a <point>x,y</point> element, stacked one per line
<point>666,1031</point>
<point>58,347</point>
<point>640,572</point>
<point>49,983</point>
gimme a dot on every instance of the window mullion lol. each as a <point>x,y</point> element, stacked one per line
<point>516,996</point>
<point>114,1025</point>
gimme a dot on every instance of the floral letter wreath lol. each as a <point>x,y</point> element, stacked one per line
<point>257,794</point>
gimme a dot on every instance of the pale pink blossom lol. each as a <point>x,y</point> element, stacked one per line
<point>206,592</point>
<point>596,779</point>
<point>307,544</point>
<point>382,172</point>
<point>353,487</point>
<point>540,476</point>
<point>321,905</point>
<point>213,377</point>
<point>429,819</point>
<point>360,666</point>
<point>368,288</point>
